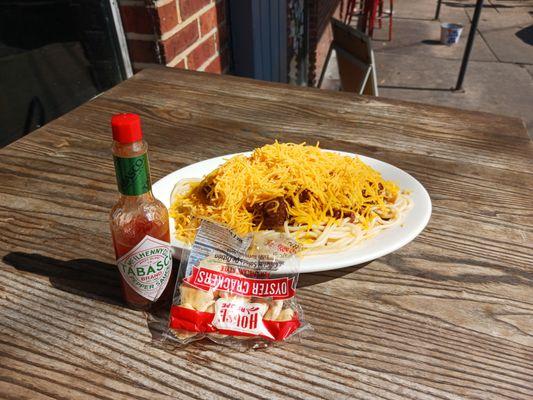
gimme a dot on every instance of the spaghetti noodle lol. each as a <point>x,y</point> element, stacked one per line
<point>326,201</point>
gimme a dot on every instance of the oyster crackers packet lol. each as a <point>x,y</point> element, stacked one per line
<point>237,290</point>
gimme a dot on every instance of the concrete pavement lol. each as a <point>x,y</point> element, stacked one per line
<point>415,66</point>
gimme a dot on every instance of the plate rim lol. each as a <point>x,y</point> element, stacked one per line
<point>342,262</point>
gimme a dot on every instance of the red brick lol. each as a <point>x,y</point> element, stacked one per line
<point>189,7</point>
<point>142,51</point>
<point>137,19</point>
<point>180,41</point>
<point>167,17</point>
<point>208,21</point>
<point>201,54</point>
<point>218,64</point>
<point>180,64</point>
<point>214,66</point>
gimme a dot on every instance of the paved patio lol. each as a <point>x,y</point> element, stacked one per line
<point>415,66</point>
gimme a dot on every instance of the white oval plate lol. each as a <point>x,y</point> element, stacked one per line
<point>385,242</point>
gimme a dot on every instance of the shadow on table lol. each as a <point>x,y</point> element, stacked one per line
<point>88,278</point>
<point>316,278</point>
<point>84,277</point>
<point>101,281</point>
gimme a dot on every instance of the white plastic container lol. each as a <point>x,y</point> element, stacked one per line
<point>450,33</point>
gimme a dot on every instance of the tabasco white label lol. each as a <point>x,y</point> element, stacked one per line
<point>237,316</point>
<point>147,267</point>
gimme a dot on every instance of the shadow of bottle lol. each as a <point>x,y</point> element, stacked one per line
<point>88,278</point>
<point>101,281</point>
<point>84,277</point>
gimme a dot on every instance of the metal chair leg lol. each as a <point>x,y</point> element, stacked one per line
<point>372,18</point>
<point>362,22</point>
<point>350,6</point>
<point>390,18</point>
<point>380,13</point>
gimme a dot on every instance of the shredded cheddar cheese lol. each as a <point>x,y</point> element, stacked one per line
<point>284,182</point>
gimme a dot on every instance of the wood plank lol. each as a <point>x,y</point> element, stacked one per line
<point>379,337</point>
<point>446,317</point>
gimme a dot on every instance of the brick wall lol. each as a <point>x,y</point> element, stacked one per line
<point>189,34</point>
<point>320,35</point>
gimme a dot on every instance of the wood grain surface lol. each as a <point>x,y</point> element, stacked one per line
<point>449,316</point>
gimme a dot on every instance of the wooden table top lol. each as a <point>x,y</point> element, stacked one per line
<point>448,316</point>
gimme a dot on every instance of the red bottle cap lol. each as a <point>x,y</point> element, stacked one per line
<point>126,128</point>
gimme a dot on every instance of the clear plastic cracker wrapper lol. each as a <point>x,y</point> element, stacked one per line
<point>237,290</point>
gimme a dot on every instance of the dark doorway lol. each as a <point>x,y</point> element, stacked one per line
<point>54,56</point>
<point>269,39</point>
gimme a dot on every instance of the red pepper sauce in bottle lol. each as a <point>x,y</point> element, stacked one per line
<point>139,222</point>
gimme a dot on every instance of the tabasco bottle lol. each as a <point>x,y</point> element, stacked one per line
<point>139,222</point>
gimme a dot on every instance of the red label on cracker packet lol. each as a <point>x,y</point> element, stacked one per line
<point>207,279</point>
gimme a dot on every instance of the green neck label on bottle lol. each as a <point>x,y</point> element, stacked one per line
<point>133,175</point>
